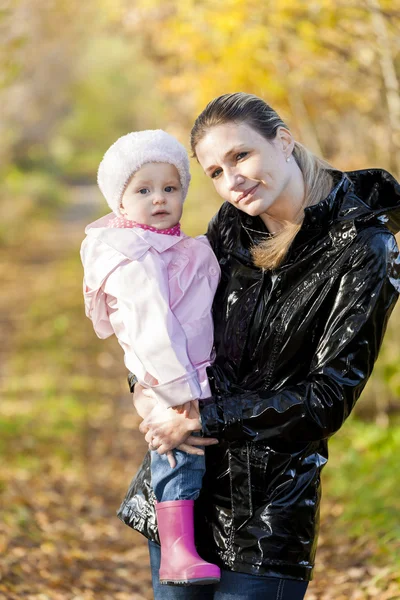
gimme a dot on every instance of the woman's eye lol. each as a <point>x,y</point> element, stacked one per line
<point>215,173</point>
<point>241,155</point>
<point>143,191</point>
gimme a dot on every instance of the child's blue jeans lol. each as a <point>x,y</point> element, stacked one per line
<point>183,482</point>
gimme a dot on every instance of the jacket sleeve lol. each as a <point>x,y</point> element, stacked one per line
<point>98,260</point>
<point>316,407</point>
<point>147,325</point>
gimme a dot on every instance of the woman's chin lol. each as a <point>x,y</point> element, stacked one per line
<point>253,208</point>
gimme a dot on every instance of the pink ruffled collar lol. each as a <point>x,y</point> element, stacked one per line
<point>120,222</point>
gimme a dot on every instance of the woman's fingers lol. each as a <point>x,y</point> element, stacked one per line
<point>163,449</point>
<point>189,446</point>
<point>190,449</point>
<point>200,441</point>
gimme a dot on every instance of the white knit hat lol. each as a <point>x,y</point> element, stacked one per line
<point>129,153</point>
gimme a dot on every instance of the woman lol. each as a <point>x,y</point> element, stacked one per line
<point>310,275</point>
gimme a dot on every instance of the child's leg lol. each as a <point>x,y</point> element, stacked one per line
<point>181,483</point>
<point>175,490</point>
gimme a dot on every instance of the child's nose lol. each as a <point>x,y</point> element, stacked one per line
<point>159,199</point>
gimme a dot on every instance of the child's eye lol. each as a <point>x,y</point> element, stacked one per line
<point>241,155</point>
<point>215,173</point>
<point>143,191</point>
<point>169,188</point>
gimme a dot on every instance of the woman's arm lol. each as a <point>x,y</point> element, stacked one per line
<point>316,407</point>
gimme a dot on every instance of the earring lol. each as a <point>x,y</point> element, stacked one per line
<point>288,159</point>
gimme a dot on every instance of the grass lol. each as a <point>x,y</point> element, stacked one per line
<point>362,481</point>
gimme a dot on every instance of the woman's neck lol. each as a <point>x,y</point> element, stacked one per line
<point>288,207</point>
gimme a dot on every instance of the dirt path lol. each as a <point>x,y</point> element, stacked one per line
<point>60,538</point>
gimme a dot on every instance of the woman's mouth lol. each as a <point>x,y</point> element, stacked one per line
<point>248,193</point>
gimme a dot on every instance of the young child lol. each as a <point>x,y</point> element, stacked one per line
<point>152,286</point>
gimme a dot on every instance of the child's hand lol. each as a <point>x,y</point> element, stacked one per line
<point>143,400</point>
<point>171,459</point>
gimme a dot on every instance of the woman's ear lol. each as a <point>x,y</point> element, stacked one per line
<point>286,141</point>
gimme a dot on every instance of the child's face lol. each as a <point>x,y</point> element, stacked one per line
<point>154,196</point>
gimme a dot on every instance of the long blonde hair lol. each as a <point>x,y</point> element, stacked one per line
<point>252,110</point>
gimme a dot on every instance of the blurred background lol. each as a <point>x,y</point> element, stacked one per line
<point>74,76</point>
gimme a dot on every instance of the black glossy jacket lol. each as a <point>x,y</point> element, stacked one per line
<point>294,349</point>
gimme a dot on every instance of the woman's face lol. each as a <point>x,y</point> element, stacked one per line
<point>247,170</point>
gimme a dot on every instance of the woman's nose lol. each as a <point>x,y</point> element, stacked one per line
<point>234,181</point>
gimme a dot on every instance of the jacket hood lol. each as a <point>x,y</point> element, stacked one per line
<point>379,192</point>
<point>359,196</point>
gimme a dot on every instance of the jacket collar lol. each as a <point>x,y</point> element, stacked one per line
<point>325,212</point>
<point>373,193</point>
<point>158,241</point>
<point>358,196</point>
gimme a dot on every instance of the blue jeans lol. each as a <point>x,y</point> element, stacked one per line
<point>183,482</point>
<point>233,586</point>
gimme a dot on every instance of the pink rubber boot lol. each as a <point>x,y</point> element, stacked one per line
<point>180,563</point>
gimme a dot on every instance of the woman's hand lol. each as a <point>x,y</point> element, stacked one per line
<point>145,402</point>
<point>189,446</point>
<point>166,429</point>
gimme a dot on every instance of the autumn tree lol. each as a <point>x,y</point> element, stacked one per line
<point>327,66</point>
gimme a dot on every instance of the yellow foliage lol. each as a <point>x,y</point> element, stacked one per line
<point>323,54</point>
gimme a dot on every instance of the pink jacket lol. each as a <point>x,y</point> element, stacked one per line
<point>154,292</point>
